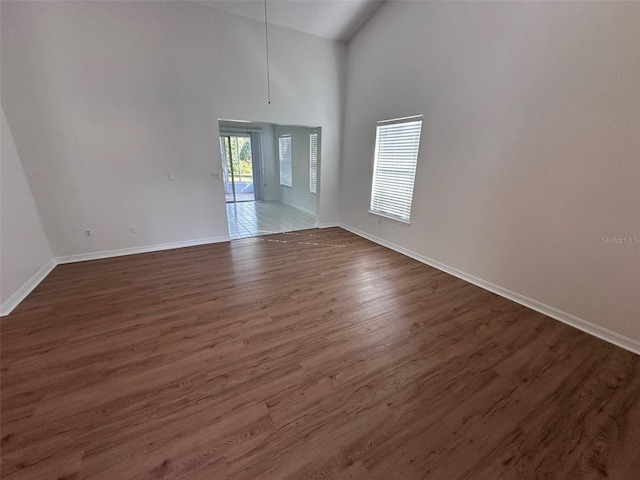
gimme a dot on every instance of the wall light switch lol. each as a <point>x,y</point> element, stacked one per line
<point>171,176</point>
<point>133,229</point>
<point>87,232</point>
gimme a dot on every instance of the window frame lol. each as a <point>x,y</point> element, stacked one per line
<point>374,206</point>
<point>313,165</point>
<point>280,138</point>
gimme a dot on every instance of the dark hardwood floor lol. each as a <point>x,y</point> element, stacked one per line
<point>314,355</point>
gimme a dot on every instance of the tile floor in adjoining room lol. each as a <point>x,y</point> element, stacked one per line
<point>250,219</point>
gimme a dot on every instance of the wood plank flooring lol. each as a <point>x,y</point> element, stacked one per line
<point>314,355</point>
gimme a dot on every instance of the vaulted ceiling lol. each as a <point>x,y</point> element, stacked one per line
<point>334,19</point>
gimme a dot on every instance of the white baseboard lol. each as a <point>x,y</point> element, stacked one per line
<point>83,257</point>
<point>328,225</point>
<point>14,300</point>
<point>576,322</point>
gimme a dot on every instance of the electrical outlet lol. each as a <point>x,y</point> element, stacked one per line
<point>378,221</point>
<point>87,232</point>
<point>133,229</point>
<point>171,176</point>
<point>215,174</point>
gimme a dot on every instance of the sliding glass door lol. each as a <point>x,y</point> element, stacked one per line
<point>237,165</point>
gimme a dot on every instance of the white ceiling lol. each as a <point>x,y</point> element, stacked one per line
<point>334,19</point>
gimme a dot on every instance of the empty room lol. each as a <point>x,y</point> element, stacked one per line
<point>319,239</point>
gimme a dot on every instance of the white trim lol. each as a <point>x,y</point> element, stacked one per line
<point>412,118</point>
<point>234,131</point>
<point>83,257</point>
<point>14,300</point>
<point>576,322</point>
<point>329,225</point>
<point>399,220</point>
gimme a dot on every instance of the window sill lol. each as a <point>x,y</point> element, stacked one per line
<point>389,217</point>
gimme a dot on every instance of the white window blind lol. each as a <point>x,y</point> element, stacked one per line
<point>313,163</point>
<point>394,168</point>
<point>286,177</point>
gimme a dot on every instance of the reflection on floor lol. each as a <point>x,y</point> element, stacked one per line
<point>249,219</point>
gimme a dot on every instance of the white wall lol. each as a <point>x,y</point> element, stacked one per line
<point>297,195</point>
<point>271,176</point>
<point>530,145</point>
<point>24,250</point>
<point>104,98</point>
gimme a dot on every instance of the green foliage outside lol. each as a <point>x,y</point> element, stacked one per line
<point>241,154</point>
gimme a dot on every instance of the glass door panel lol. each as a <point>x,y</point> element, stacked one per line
<point>237,163</point>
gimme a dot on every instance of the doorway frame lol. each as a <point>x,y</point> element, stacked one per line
<point>228,134</point>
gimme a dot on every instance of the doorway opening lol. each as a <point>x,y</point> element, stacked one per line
<point>271,177</point>
<point>237,167</point>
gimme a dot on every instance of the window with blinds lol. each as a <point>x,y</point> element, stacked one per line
<point>286,177</point>
<point>313,163</point>
<point>394,168</point>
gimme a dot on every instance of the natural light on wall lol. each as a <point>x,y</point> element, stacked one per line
<point>394,168</point>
